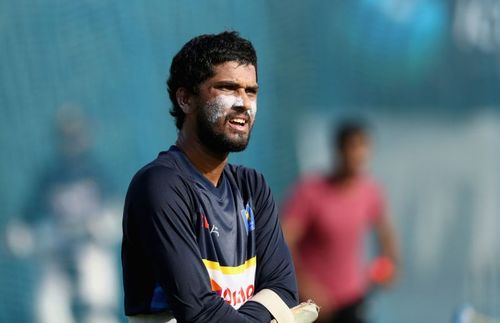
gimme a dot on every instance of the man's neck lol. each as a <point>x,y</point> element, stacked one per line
<point>209,164</point>
<point>342,177</point>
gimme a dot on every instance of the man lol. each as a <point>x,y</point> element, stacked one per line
<point>325,221</point>
<point>201,237</point>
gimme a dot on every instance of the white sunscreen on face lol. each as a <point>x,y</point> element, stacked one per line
<point>216,108</point>
<point>221,105</point>
<point>253,109</point>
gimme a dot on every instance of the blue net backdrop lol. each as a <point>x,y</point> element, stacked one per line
<point>414,68</point>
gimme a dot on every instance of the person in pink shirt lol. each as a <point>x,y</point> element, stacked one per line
<point>326,219</point>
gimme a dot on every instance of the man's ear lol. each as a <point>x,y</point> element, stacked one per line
<point>185,100</point>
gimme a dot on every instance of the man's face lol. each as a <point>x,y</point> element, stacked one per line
<point>226,107</point>
<point>355,153</point>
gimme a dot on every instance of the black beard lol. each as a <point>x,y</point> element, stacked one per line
<point>216,141</point>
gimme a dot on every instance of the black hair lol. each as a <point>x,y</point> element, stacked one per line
<point>194,63</point>
<point>347,129</point>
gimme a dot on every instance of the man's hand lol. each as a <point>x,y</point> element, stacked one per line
<point>306,312</point>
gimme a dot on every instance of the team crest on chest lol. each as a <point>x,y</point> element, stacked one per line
<point>248,218</point>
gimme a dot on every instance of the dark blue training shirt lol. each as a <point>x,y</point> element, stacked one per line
<point>199,251</point>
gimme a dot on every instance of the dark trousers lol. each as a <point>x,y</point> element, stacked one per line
<point>352,313</point>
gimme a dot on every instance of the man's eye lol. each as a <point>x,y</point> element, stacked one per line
<point>252,93</point>
<point>227,88</point>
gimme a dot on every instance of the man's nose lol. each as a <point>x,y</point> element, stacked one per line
<point>245,101</point>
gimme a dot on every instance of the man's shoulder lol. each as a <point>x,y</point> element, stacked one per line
<point>158,184</point>
<point>161,172</point>
<point>371,184</point>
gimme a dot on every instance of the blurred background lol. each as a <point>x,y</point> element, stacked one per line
<point>83,105</point>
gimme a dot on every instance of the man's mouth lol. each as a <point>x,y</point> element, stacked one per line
<point>238,123</point>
